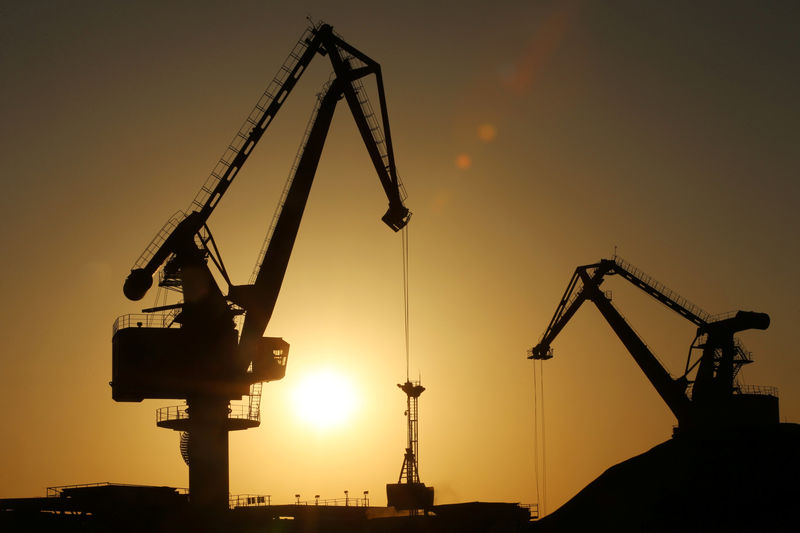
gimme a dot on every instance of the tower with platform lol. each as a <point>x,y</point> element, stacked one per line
<point>409,494</point>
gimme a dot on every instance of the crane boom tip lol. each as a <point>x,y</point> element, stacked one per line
<point>397,217</point>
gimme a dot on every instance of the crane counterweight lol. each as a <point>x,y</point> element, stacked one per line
<point>137,284</point>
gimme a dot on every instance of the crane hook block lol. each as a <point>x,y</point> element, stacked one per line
<point>396,217</point>
<point>137,284</point>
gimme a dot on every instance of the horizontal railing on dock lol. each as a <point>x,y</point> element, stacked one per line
<point>257,500</point>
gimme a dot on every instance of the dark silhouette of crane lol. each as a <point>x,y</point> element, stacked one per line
<point>192,350</point>
<point>707,396</point>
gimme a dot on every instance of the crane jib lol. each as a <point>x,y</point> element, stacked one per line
<point>709,398</point>
<point>375,134</point>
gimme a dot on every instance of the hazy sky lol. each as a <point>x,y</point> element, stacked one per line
<point>532,137</point>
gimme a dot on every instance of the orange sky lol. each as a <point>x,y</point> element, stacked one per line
<point>531,138</point>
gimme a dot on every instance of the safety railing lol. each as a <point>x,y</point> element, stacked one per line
<point>270,101</point>
<point>173,412</point>
<point>670,295</point>
<point>248,500</point>
<point>242,143</point>
<point>55,492</point>
<point>242,412</point>
<point>288,184</point>
<point>162,235</point>
<point>258,500</point>
<point>145,320</point>
<point>743,353</point>
<point>181,412</point>
<point>533,509</point>
<point>375,128</point>
<point>254,401</point>
<point>760,390</point>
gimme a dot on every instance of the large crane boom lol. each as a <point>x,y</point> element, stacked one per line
<point>585,285</point>
<point>702,399</point>
<point>183,227</point>
<point>232,160</point>
<point>259,299</point>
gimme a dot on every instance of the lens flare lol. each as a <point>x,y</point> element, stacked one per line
<point>487,132</point>
<point>463,161</point>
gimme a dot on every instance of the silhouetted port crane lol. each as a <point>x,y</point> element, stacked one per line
<point>707,395</point>
<point>192,350</point>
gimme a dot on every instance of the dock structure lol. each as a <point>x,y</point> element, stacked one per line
<point>120,507</point>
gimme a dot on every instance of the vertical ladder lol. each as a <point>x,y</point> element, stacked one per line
<point>660,292</point>
<point>259,118</point>
<point>254,401</point>
<point>412,472</point>
<point>289,180</point>
<point>374,126</point>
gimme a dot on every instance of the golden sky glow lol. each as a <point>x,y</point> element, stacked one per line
<point>325,400</point>
<point>532,137</point>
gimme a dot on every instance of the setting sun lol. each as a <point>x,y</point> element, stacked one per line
<point>324,399</point>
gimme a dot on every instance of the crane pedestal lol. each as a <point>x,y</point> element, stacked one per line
<point>162,363</point>
<point>208,453</point>
<point>204,423</point>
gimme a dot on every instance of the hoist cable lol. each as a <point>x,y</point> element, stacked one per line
<point>404,243</point>
<point>535,437</point>
<point>544,441</point>
<point>539,437</point>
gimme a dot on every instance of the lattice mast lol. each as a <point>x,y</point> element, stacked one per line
<point>409,473</point>
<point>409,493</point>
